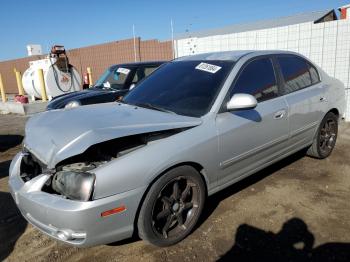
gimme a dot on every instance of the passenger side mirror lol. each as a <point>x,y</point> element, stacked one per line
<point>241,101</point>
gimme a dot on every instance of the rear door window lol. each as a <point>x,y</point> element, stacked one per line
<point>257,79</point>
<point>295,71</point>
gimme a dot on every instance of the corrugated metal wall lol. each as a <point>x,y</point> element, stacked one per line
<point>327,44</point>
<point>98,57</point>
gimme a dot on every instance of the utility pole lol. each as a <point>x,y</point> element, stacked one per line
<point>172,37</point>
<point>133,33</point>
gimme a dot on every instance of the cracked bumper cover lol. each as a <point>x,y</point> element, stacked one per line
<point>73,222</point>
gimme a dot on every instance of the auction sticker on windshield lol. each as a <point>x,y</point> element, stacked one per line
<point>208,67</point>
<point>122,70</point>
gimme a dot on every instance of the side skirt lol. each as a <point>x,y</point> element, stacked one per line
<point>276,159</point>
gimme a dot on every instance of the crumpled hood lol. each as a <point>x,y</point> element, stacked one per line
<point>53,136</point>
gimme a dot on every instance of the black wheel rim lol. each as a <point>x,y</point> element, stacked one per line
<point>328,134</point>
<point>176,208</point>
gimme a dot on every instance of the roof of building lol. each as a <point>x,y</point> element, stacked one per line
<point>315,16</point>
<point>231,55</point>
<point>344,6</point>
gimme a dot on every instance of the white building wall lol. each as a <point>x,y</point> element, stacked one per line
<point>326,44</point>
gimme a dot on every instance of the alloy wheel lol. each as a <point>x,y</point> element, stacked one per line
<point>328,133</point>
<point>176,207</point>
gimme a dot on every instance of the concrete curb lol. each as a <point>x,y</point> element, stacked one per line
<point>22,109</point>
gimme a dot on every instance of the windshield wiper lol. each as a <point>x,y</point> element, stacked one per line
<point>150,106</point>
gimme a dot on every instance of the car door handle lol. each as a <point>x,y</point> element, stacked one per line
<point>279,114</point>
<point>323,99</point>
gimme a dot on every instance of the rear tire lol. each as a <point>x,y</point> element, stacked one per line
<point>172,207</point>
<point>325,138</point>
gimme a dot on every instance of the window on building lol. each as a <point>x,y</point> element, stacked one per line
<point>295,71</point>
<point>257,79</point>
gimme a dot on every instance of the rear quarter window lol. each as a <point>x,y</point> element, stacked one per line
<point>315,77</point>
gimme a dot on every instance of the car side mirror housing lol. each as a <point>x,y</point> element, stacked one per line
<point>241,101</point>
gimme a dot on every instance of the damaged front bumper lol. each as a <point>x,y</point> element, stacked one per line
<point>74,222</point>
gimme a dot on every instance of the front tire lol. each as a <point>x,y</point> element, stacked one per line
<point>172,207</point>
<point>325,138</point>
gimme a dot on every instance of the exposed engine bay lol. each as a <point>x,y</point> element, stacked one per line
<point>72,178</point>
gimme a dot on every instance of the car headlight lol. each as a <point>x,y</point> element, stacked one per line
<point>72,104</point>
<point>74,185</point>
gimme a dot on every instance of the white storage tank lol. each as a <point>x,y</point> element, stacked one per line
<point>60,77</point>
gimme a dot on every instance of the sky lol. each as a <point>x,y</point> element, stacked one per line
<point>78,23</point>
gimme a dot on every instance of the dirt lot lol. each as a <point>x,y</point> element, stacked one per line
<point>296,210</point>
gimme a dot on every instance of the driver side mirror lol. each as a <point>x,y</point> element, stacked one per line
<point>241,101</point>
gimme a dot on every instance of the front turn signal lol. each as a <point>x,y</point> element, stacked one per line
<point>113,211</point>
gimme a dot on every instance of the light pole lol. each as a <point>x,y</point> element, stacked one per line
<point>133,33</point>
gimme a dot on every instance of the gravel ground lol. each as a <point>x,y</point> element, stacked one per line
<point>295,210</point>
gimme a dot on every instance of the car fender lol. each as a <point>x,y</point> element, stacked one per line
<point>142,166</point>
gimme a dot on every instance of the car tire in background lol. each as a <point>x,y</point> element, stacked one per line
<point>325,138</point>
<point>172,206</point>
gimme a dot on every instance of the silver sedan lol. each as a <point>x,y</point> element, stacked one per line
<point>100,173</point>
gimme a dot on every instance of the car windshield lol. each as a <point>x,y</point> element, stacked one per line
<point>113,78</point>
<point>182,87</point>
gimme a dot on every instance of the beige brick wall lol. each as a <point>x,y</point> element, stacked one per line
<point>98,57</point>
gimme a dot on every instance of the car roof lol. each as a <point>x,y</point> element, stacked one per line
<point>137,64</point>
<point>232,55</point>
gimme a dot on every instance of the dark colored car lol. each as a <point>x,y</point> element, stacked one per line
<point>115,82</point>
